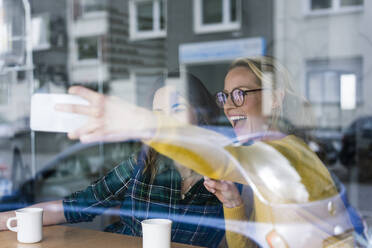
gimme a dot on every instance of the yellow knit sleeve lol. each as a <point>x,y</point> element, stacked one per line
<point>197,148</point>
<point>236,218</point>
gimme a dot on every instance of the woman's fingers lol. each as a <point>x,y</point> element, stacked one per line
<point>91,96</point>
<point>85,130</point>
<point>209,188</point>
<point>79,109</point>
<point>218,185</point>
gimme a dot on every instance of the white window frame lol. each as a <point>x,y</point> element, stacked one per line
<point>336,8</point>
<point>156,32</point>
<point>339,73</point>
<point>226,25</point>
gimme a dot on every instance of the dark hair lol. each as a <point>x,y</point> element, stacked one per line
<point>197,95</point>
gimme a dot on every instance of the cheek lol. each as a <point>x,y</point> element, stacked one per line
<point>252,105</point>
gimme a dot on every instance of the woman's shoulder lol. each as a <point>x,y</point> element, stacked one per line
<point>290,143</point>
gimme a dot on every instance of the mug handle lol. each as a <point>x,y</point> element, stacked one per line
<point>8,222</point>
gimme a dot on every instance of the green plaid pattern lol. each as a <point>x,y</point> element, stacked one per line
<point>197,219</point>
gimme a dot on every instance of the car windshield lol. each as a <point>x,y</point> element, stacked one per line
<point>245,123</point>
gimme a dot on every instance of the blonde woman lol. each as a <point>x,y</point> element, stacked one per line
<point>276,164</point>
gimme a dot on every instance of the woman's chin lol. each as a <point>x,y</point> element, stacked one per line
<point>241,131</point>
<point>246,128</point>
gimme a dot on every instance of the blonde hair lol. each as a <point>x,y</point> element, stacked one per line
<point>292,107</point>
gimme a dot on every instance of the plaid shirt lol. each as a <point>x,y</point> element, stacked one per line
<point>197,219</point>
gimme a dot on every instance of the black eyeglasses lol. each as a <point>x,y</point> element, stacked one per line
<point>237,96</point>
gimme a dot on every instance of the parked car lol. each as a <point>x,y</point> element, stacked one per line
<point>327,149</point>
<point>71,170</point>
<point>356,149</point>
<point>326,143</point>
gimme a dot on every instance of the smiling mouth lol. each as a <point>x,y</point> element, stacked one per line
<point>236,119</point>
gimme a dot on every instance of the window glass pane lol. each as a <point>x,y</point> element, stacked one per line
<point>331,87</point>
<point>321,4</point>
<point>144,15</point>
<point>3,89</point>
<point>40,29</point>
<point>162,15</point>
<point>351,2</point>
<point>315,87</point>
<point>212,11</point>
<point>233,10</point>
<point>93,5</point>
<point>87,48</point>
<point>348,91</point>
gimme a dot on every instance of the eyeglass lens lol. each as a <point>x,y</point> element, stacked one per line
<point>237,97</point>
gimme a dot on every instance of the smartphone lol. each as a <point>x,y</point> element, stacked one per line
<point>45,118</point>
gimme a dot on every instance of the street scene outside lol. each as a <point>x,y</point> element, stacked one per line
<point>124,48</point>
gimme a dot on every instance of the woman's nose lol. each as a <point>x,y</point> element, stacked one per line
<point>229,103</point>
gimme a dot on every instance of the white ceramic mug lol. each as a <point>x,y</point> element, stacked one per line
<point>156,233</point>
<point>29,225</point>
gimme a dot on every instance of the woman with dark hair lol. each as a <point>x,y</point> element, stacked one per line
<point>150,185</point>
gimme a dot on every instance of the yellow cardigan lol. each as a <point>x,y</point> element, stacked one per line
<point>211,154</point>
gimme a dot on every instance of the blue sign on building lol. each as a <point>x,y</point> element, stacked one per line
<point>224,50</point>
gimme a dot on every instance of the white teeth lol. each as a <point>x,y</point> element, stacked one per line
<point>238,118</point>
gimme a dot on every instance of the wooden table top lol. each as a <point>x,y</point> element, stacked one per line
<point>73,237</point>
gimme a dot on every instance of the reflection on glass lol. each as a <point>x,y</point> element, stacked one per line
<point>162,15</point>
<point>40,29</point>
<point>12,32</point>
<point>233,10</point>
<point>93,5</point>
<point>315,87</point>
<point>348,91</point>
<point>145,16</point>
<point>351,2</point>
<point>87,48</point>
<point>331,87</point>
<point>321,4</point>
<point>212,11</point>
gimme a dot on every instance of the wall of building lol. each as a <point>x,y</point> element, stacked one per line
<point>180,26</point>
<point>53,60</point>
<point>337,36</point>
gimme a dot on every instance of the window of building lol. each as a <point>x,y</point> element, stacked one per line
<point>334,87</point>
<point>330,6</point>
<point>41,32</point>
<point>327,81</point>
<point>87,48</point>
<point>147,19</point>
<point>83,8</point>
<point>216,15</point>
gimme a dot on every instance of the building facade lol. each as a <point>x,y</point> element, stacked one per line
<point>103,53</point>
<point>326,46</point>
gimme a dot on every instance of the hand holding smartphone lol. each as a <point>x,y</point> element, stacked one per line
<point>44,116</point>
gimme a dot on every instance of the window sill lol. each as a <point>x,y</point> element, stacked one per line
<point>332,12</point>
<point>87,62</point>
<point>216,28</point>
<point>135,36</point>
<point>92,15</point>
<point>41,47</point>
